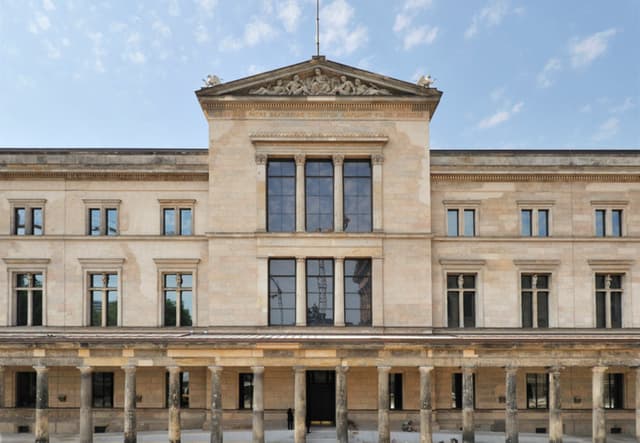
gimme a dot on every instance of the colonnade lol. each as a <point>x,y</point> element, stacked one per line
<point>41,427</point>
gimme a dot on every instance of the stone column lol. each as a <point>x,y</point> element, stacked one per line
<point>342,420</point>
<point>130,432</point>
<point>377,288</point>
<point>1,386</point>
<point>301,293</point>
<point>42,404</point>
<point>216,404</point>
<point>425,404</point>
<point>86,400</point>
<point>377,161</point>
<point>300,404</point>
<point>174,404</point>
<point>261,192</point>
<point>598,425</point>
<point>468,431</point>
<point>511,421</point>
<point>338,195</point>
<point>637,369</point>
<point>300,211</point>
<point>258,404</point>
<point>384,434</point>
<point>338,284</point>
<point>555,406</point>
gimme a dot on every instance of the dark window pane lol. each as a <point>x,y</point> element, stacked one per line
<point>22,280</point>
<point>452,222</point>
<point>112,308</point>
<point>112,221</point>
<point>469,309</point>
<point>395,392</point>
<point>452,281</point>
<point>600,281</point>
<point>112,280</point>
<point>37,308</point>
<point>527,310</point>
<point>184,389</point>
<point>20,221</point>
<point>616,222</point>
<point>542,281</point>
<point>169,222</point>
<point>526,282</point>
<point>170,280</point>
<point>537,391</point>
<point>37,224</point>
<point>282,291</point>
<point>186,222</point>
<point>468,281</point>
<point>102,389</point>
<point>94,221</point>
<point>25,389</point>
<point>245,396</point>
<point>357,196</point>
<point>186,308</point>
<point>357,292</point>
<point>469,222</point>
<point>456,391</point>
<point>453,310</point>
<point>616,309</point>
<point>319,292</point>
<point>319,196</point>
<point>170,302</point>
<point>601,321</point>
<point>543,309</point>
<point>614,391</point>
<point>616,281</point>
<point>22,313</point>
<point>600,223</point>
<point>97,281</point>
<point>526,228</point>
<point>543,222</point>
<point>96,308</point>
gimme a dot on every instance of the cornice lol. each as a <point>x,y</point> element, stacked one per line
<point>104,175</point>
<point>322,138</point>
<point>546,177</point>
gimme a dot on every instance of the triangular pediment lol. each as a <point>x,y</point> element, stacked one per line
<point>316,77</point>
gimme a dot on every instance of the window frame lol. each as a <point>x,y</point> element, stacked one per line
<point>241,390</point>
<point>94,392</point>
<point>535,397</point>
<point>295,298</point>
<point>344,179</point>
<point>306,287</point>
<point>534,298</point>
<point>372,295</point>
<point>177,205</point>
<point>614,392</point>
<point>103,205</point>
<point>29,205</point>
<point>463,266</point>
<point>25,266</point>
<point>608,292</point>
<point>609,206</point>
<point>176,266</point>
<point>460,295</point>
<point>98,266</point>
<point>456,403</point>
<point>18,395</point>
<point>460,206</point>
<point>396,402</point>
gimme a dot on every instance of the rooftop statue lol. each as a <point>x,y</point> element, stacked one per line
<point>211,80</point>
<point>426,81</point>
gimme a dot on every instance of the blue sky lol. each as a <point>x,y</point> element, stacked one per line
<point>515,74</point>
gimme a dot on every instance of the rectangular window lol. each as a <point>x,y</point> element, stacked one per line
<point>395,392</point>
<point>543,222</point>
<point>28,220</point>
<point>461,222</point>
<point>526,229</point>
<point>319,292</point>
<point>102,383</point>
<point>534,222</point>
<point>281,196</point>
<point>103,221</point>
<point>461,304</point>
<point>608,222</point>
<point>608,300</point>
<point>177,220</point>
<point>535,300</point>
<point>537,391</point>
<point>103,294</point>
<point>28,299</point>
<point>177,290</point>
<point>245,392</point>
<point>184,389</point>
<point>357,196</point>
<point>613,391</point>
<point>357,292</point>
<point>25,389</point>
<point>456,390</point>
<point>319,195</point>
<point>282,292</point>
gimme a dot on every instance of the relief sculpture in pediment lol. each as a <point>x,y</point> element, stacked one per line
<point>319,84</point>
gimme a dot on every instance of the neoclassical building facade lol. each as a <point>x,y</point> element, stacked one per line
<point>319,257</point>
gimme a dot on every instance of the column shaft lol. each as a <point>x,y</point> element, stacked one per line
<point>258,404</point>
<point>384,434</point>
<point>468,432</point>
<point>338,217</point>
<point>301,293</point>
<point>338,282</point>
<point>377,161</point>
<point>216,404</point>
<point>511,421</point>
<point>130,432</point>
<point>555,407</point>
<point>42,405</point>
<point>86,398</point>
<point>261,192</point>
<point>598,425</point>
<point>300,208</point>
<point>425,404</point>
<point>342,423</point>
<point>637,369</point>
<point>174,404</point>
<point>1,386</point>
<point>300,404</point>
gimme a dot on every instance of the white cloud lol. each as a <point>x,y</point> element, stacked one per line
<point>289,13</point>
<point>500,116</point>
<point>53,52</point>
<point>48,5</point>
<point>174,8</point>
<point>544,77</point>
<point>338,33</point>
<point>491,15</point>
<point>98,51</point>
<point>608,129</point>
<point>137,57</point>
<point>418,36</point>
<point>623,107</point>
<point>255,32</point>
<point>201,34</point>
<point>402,21</point>
<point>585,51</point>
<point>207,6</point>
<point>132,52</point>
<point>161,28</point>
<point>40,23</point>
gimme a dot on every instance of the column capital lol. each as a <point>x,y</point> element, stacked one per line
<point>85,369</point>
<point>300,159</point>
<point>342,368</point>
<point>468,368</point>
<point>377,159</point>
<point>261,159</point>
<point>384,369</point>
<point>173,369</point>
<point>257,369</point>
<point>41,369</point>
<point>554,369</point>
<point>299,369</point>
<point>425,369</point>
<point>129,367</point>
<point>338,259</point>
<point>338,159</point>
<point>599,369</point>
<point>2,369</point>
<point>215,368</point>
<point>300,259</point>
<point>511,369</point>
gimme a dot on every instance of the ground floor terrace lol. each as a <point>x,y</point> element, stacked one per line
<point>551,384</point>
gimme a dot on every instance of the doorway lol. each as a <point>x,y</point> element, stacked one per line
<point>321,398</point>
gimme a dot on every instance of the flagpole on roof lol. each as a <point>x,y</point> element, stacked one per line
<point>318,27</point>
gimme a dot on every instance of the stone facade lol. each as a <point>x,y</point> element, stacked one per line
<point>227,247</point>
